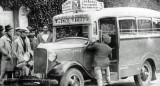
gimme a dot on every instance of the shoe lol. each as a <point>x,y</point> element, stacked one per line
<point>1,81</point>
<point>108,82</point>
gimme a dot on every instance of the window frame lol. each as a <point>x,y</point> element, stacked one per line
<point>128,18</point>
<point>140,29</point>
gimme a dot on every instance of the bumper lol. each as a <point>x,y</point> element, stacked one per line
<point>47,82</point>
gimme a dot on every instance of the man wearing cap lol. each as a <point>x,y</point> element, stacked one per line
<point>101,57</point>
<point>6,50</point>
<point>22,47</point>
<point>17,33</point>
<point>32,37</point>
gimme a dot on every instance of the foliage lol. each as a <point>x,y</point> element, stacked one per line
<point>150,4</point>
<point>41,11</point>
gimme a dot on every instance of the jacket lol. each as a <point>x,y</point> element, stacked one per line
<point>101,53</point>
<point>6,44</point>
<point>19,50</point>
<point>40,39</point>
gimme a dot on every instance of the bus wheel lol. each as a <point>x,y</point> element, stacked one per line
<point>72,77</point>
<point>144,78</point>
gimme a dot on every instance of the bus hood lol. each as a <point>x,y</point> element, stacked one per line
<point>59,46</point>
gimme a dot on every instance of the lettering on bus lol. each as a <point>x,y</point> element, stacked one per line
<point>81,5</point>
<point>72,19</point>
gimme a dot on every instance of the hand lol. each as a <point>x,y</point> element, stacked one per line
<point>30,63</point>
<point>87,43</point>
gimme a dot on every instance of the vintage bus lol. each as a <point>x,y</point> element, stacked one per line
<point>135,34</point>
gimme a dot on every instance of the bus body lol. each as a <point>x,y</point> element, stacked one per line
<point>135,46</point>
<point>135,43</point>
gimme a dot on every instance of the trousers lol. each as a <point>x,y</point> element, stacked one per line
<point>99,77</point>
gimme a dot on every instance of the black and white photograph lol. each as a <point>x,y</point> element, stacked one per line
<point>79,42</point>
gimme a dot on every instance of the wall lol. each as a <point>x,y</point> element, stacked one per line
<point>6,17</point>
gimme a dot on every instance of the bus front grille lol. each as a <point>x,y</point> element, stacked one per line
<point>40,61</point>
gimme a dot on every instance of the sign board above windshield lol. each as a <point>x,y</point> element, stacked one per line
<point>81,5</point>
<point>71,19</point>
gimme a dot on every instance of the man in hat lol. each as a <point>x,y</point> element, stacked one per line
<point>32,37</point>
<point>22,48</point>
<point>17,33</point>
<point>6,50</point>
<point>101,57</point>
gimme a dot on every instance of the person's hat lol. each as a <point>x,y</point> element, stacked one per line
<point>18,28</point>
<point>8,28</point>
<point>106,38</point>
<point>1,28</point>
<point>21,29</point>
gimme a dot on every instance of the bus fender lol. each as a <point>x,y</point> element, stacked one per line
<point>63,66</point>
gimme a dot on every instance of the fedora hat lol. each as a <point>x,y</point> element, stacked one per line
<point>8,28</point>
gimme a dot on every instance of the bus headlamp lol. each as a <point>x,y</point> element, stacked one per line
<point>52,56</point>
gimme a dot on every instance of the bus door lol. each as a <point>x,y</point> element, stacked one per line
<point>108,26</point>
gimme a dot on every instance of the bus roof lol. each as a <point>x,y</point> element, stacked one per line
<point>128,11</point>
<point>116,12</point>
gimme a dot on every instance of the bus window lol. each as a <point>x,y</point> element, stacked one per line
<point>107,25</point>
<point>127,26</point>
<point>72,31</point>
<point>144,26</point>
<point>156,26</point>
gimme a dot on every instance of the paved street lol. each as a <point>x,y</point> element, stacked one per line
<point>126,82</point>
<point>130,82</point>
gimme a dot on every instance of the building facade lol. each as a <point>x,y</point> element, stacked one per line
<point>16,17</point>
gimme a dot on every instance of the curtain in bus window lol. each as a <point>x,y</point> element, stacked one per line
<point>144,26</point>
<point>156,26</point>
<point>107,25</point>
<point>127,26</point>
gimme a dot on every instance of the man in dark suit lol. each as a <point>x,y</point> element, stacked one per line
<point>101,57</point>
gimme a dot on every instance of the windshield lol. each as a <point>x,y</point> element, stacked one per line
<point>72,31</point>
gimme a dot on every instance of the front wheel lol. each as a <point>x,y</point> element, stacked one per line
<point>144,78</point>
<point>72,77</point>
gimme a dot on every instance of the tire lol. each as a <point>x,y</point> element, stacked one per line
<point>72,77</point>
<point>144,78</point>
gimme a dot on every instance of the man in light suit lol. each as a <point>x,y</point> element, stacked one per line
<point>22,48</point>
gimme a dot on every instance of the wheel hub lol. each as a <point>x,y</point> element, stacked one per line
<point>144,73</point>
<point>74,81</point>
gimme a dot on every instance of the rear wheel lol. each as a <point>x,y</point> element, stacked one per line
<point>144,78</point>
<point>72,77</point>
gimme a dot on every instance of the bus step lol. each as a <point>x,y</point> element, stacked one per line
<point>114,76</point>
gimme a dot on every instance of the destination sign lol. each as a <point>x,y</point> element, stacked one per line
<point>72,19</point>
<point>81,5</point>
